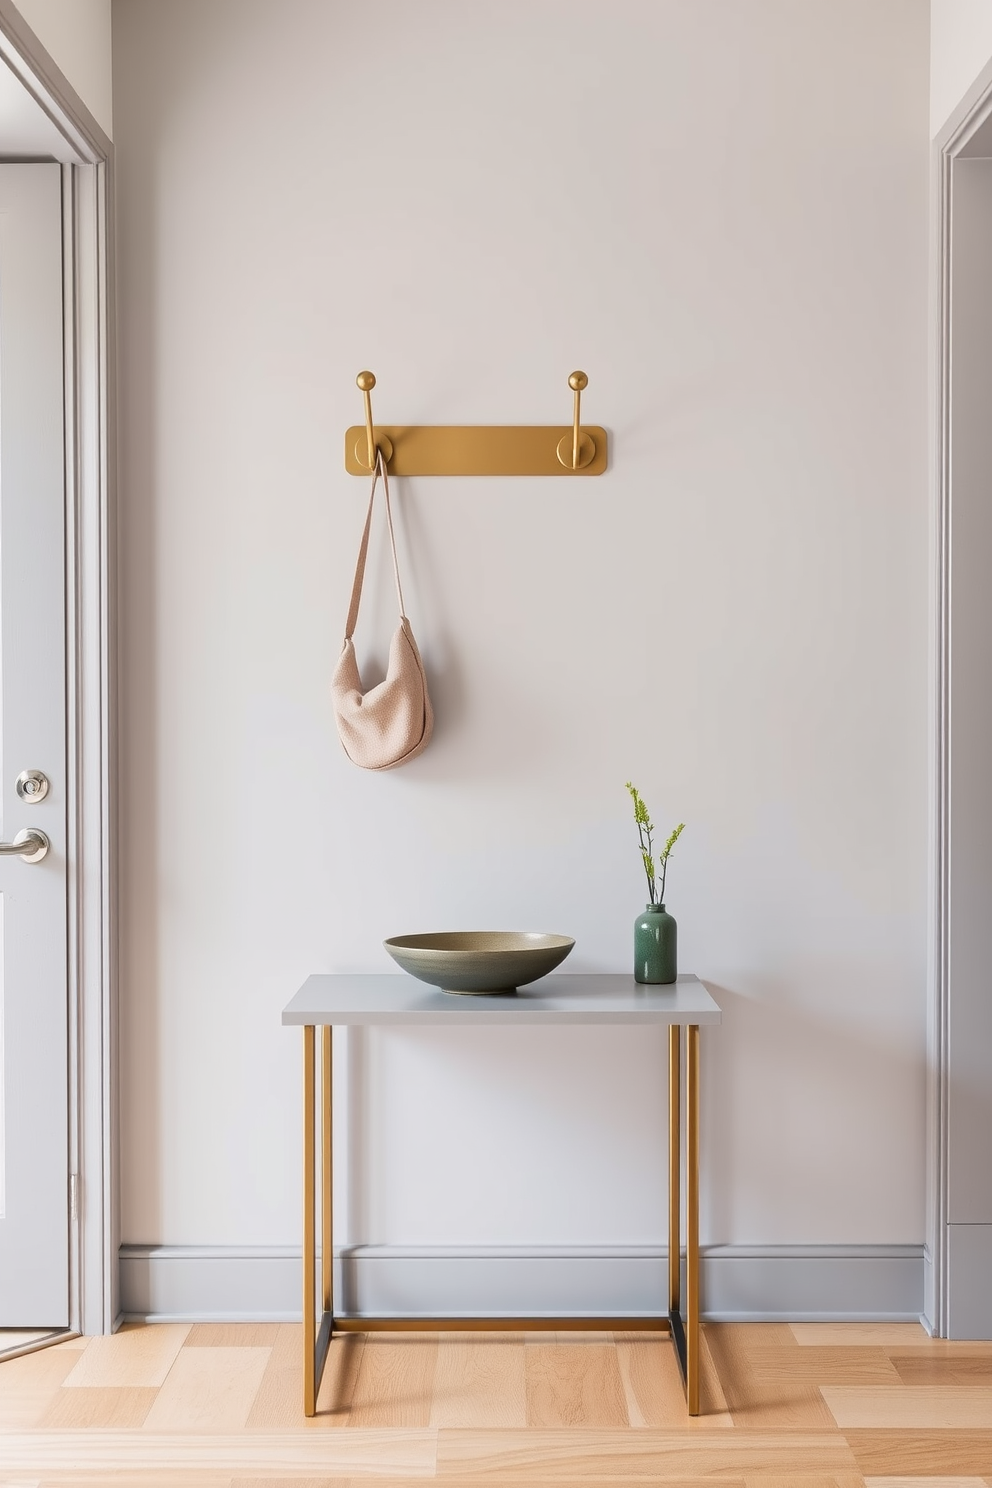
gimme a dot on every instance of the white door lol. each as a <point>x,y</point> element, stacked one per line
<point>34,1204</point>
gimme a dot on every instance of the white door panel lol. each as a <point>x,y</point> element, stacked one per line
<point>34,1220</point>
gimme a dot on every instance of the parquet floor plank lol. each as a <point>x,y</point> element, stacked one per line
<point>823,1366</point>
<point>574,1384</point>
<point>210,1390</point>
<point>279,1401</point>
<point>915,1453</point>
<point>99,1406</point>
<point>101,1454</point>
<point>925,1482</point>
<point>537,1456</point>
<point>608,1481</point>
<point>29,1384</point>
<point>136,1480</point>
<point>653,1389</point>
<point>337,1387</point>
<point>295,1483</point>
<point>394,1383</point>
<point>787,1400</point>
<point>916,1407</point>
<point>232,1335</point>
<point>843,1480</point>
<point>925,1368</point>
<point>861,1335</point>
<point>134,1356</point>
<point>480,1381</point>
<point>760,1335</point>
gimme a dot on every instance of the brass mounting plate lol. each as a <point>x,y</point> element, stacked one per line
<point>493,449</point>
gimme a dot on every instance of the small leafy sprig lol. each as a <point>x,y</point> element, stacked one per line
<point>645,833</point>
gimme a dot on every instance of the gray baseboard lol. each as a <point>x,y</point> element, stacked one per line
<point>747,1283</point>
<point>812,1283</point>
<point>210,1283</point>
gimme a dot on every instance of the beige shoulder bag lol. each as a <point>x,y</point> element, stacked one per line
<point>392,723</point>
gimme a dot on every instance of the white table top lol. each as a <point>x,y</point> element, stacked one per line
<point>595,998</point>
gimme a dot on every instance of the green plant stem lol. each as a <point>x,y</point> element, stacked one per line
<point>647,856</point>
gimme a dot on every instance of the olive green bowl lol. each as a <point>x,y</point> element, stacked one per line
<point>479,961</point>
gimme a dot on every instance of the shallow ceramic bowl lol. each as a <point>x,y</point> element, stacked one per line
<point>479,961</point>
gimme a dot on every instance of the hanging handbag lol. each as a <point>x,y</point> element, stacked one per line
<point>392,722</point>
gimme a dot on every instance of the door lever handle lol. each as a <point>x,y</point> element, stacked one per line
<point>29,844</point>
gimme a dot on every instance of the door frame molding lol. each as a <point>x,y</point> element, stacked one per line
<point>974,110</point>
<point>91,659</point>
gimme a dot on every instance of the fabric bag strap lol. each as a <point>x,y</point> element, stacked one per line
<point>356,593</point>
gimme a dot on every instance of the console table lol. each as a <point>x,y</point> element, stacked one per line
<point>328,1001</point>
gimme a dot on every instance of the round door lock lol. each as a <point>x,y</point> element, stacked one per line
<point>32,786</point>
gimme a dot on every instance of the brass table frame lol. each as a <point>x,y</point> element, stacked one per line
<point>684,1332</point>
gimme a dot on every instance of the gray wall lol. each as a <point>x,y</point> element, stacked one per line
<point>719,211</point>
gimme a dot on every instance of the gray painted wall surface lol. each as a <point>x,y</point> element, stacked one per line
<point>687,200</point>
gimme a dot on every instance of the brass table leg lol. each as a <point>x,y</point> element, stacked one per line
<point>316,1342</point>
<point>676,1328</point>
<point>685,1334</point>
<point>674,1170</point>
<point>326,1176</point>
<point>692,1218</point>
<point>309,1258</point>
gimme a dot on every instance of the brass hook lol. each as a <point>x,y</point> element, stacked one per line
<point>577,452</point>
<point>366,458</point>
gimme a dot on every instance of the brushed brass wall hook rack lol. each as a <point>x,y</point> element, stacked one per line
<point>491,449</point>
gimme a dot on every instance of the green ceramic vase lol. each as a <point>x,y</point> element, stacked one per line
<point>655,958</point>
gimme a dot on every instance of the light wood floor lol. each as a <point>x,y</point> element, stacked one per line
<point>801,1406</point>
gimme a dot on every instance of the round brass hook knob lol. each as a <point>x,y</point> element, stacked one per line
<point>365,448</point>
<point>578,381</point>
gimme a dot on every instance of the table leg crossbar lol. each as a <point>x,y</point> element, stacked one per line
<point>684,1332</point>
